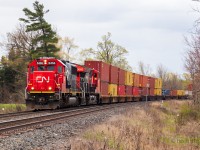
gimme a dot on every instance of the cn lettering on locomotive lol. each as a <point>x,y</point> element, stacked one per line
<point>41,79</point>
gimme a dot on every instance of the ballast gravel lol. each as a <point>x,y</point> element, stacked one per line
<point>57,136</point>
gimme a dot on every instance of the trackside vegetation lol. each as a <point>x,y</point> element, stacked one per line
<point>167,125</point>
<point>9,108</point>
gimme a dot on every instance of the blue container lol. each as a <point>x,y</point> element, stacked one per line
<point>165,92</point>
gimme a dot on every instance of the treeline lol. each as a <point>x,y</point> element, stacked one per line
<point>34,37</point>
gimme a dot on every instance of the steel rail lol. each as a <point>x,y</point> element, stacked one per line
<point>6,127</point>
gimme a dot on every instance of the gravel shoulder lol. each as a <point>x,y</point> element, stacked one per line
<point>57,136</point>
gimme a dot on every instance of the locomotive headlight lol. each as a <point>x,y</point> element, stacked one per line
<point>50,88</point>
<point>32,88</point>
<point>45,61</point>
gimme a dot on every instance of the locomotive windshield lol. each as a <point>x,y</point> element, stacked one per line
<point>46,68</point>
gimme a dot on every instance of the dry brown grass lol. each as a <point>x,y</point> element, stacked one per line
<point>152,128</point>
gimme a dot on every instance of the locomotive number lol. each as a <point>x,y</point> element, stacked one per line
<point>41,79</point>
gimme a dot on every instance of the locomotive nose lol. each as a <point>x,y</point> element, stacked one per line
<point>41,99</point>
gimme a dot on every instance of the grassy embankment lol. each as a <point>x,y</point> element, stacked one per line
<point>9,108</point>
<point>168,125</point>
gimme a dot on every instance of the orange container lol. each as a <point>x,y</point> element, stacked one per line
<point>143,80</point>
<point>136,82</point>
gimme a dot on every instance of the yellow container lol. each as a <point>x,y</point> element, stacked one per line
<point>158,92</point>
<point>112,89</point>
<point>158,83</point>
<point>180,92</point>
<point>128,78</point>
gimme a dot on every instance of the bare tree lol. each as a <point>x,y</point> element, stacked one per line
<point>21,43</point>
<point>144,69</point>
<point>68,48</point>
<point>192,62</point>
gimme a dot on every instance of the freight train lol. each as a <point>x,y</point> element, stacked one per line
<point>54,83</point>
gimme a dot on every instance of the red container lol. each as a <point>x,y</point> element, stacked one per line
<point>151,91</point>
<point>121,90</point>
<point>151,83</point>
<point>113,75</point>
<point>136,91</point>
<point>129,90</point>
<point>143,80</point>
<point>102,88</point>
<point>101,67</point>
<point>144,91</point>
<point>173,92</point>
<point>121,77</point>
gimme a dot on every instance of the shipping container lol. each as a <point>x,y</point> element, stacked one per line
<point>103,88</point>
<point>158,83</point>
<point>151,92</point>
<point>113,75</point>
<point>151,82</point>
<point>144,91</point>
<point>143,80</point>
<point>136,91</point>
<point>136,82</point>
<point>129,90</point>
<point>121,76</point>
<point>121,90</point>
<point>180,92</point>
<point>158,92</point>
<point>166,92</point>
<point>173,92</point>
<point>112,89</point>
<point>128,78</point>
<point>101,67</point>
<point>186,92</point>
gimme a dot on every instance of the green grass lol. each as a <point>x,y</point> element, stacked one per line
<point>9,108</point>
<point>188,113</point>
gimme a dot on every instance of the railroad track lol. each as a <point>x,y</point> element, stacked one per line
<point>24,124</point>
<point>26,113</point>
<point>23,113</point>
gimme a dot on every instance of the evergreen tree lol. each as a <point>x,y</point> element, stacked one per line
<point>46,38</point>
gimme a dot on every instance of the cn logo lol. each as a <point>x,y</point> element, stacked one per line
<point>41,79</point>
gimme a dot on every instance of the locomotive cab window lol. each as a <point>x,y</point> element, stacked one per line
<point>59,69</point>
<point>31,69</point>
<point>50,68</point>
<point>41,68</point>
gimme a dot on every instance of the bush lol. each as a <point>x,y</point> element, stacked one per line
<point>187,113</point>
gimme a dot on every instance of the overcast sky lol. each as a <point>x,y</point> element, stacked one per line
<point>151,30</point>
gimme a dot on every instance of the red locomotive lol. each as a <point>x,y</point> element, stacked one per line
<point>53,83</point>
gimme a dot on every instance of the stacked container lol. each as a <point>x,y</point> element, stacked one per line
<point>151,86</point>
<point>121,82</point>
<point>113,81</point>
<point>144,85</point>
<point>136,85</point>
<point>128,83</point>
<point>158,88</point>
<point>103,69</point>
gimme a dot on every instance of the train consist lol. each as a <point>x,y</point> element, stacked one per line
<point>54,83</point>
